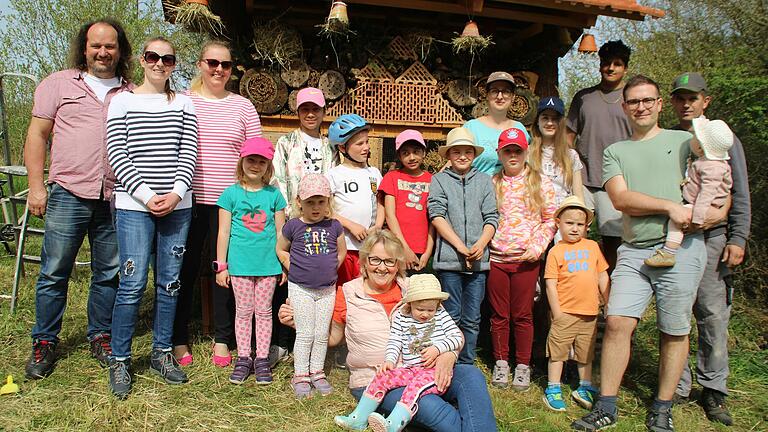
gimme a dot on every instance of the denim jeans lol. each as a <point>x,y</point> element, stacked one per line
<point>67,220</point>
<point>473,411</point>
<point>138,234</point>
<point>467,291</point>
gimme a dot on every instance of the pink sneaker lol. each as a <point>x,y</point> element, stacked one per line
<point>185,360</point>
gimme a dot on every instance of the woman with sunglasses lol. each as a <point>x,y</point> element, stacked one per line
<point>152,147</point>
<point>225,121</point>
<point>486,129</point>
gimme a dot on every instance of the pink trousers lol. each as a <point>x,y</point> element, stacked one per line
<point>418,381</point>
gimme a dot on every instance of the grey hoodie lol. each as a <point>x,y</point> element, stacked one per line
<point>468,203</point>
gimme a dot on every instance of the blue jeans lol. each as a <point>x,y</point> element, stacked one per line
<point>467,291</point>
<point>67,220</point>
<point>473,411</point>
<point>139,234</point>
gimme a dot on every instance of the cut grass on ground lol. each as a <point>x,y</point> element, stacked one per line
<point>76,396</point>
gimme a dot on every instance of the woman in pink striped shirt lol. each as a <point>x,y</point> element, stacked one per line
<point>526,201</point>
<point>225,121</point>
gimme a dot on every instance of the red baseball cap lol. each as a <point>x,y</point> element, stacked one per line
<point>513,136</point>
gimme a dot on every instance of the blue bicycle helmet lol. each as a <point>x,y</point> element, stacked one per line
<point>344,127</point>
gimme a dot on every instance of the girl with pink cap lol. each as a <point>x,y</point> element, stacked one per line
<point>250,216</point>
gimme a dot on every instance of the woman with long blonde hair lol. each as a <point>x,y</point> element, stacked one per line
<point>225,121</point>
<point>526,202</point>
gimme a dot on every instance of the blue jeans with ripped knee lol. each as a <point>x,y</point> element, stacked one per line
<point>139,234</point>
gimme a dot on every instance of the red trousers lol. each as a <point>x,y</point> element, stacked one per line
<point>349,269</point>
<point>510,291</point>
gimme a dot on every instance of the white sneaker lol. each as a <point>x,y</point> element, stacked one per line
<point>522,379</point>
<point>276,355</point>
<point>500,377</point>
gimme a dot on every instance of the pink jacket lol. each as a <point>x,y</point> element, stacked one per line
<point>708,184</point>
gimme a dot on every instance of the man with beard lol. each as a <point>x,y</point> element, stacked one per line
<point>72,106</point>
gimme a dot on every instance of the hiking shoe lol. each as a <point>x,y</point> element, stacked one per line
<point>522,379</point>
<point>660,258</point>
<point>262,371</point>
<point>553,398</point>
<point>340,356</point>
<point>243,369</point>
<point>678,399</point>
<point>659,421</point>
<point>42,360</point>
<point>101,349</point>
<point>597,419</point>
<point>320,383</point>
<point>164,364</point>
<point>584,396</point>
<point>277,354</point>
<point>500,377</point>
<point>302,387</point>
<point>120,382</point>
<point>714,406</point>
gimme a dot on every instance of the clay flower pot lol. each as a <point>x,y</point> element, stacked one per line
<point>587,44</point>
<point>470,29</point>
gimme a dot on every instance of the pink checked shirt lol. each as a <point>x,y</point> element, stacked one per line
<point>520,228</point>
<point>78,148</point>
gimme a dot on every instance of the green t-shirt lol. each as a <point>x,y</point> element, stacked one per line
<point>655,167</point>
<point>252,238</point>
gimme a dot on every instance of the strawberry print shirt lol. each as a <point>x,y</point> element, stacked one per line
<point>253,236</point>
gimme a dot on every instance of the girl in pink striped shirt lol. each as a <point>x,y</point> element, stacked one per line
<point>225,121</point>
<point>526,201</point>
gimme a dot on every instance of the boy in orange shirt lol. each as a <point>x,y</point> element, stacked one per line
<point>577,281</point>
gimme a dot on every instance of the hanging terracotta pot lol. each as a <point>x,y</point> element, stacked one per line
<point>338,19</point>
<point>470,29</point>
<point>587,44</point>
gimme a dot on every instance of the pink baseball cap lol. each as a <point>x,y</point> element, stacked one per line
<point>310,94</point>
<point>409,135</point>
<point>513,136</point>
<point>314,184</point>
<point>257,146</point>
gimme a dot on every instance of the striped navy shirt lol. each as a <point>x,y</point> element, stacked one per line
<point>152,148</point>
<point>409,336</point>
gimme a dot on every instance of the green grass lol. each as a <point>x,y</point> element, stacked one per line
<point>76,396</point>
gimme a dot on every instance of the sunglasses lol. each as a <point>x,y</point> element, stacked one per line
<point>152,57</point>
<point>213,64</point>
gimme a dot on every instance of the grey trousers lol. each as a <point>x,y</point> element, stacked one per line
<point>712,311</point>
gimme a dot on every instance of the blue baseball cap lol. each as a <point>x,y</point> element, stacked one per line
<point>551,102</point>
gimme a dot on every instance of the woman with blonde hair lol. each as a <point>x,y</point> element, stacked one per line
<point>526,201</point>
<point>225,121</point>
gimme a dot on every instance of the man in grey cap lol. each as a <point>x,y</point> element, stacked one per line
<point>725,245</point>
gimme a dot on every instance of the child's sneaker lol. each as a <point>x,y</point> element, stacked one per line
<point>660,258</point>
<point>302,386</point>
<point>262,371</point>
<point>500,377</point>
<point>243,369</point>
<point>522,379</point>
<point>320,382</point>
<point>585,396</point>
<point>553,397</point>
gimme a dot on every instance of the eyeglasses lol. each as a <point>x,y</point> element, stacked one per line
<point>152,57</point>
<point>376,261</point>
<point>634,104</point>
<point>504,92</point>
<point>213,64</point>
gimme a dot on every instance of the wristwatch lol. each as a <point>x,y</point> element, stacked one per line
<point>219,266</point>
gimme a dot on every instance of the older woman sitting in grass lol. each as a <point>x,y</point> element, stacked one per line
<point>361,316</point>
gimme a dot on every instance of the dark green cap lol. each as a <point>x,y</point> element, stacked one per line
<point>691,81</point>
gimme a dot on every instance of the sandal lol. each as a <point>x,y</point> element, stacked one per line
<point>320,382</point>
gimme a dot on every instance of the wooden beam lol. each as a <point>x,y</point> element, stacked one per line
<point>579,20</point>
<point>579,7</point>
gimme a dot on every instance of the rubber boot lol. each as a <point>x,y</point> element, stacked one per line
<point>358,419</point>
<point>397,420</point>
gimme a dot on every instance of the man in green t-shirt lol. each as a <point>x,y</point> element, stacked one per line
<point>642,176</point>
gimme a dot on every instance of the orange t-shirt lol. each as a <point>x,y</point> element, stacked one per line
<point>388,300</point>
<point>576,267</point>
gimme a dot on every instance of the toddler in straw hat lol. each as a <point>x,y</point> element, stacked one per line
<point>421,331</point>
<point>707,184</point>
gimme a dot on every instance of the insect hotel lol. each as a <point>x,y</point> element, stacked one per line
<point>400,64</point>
